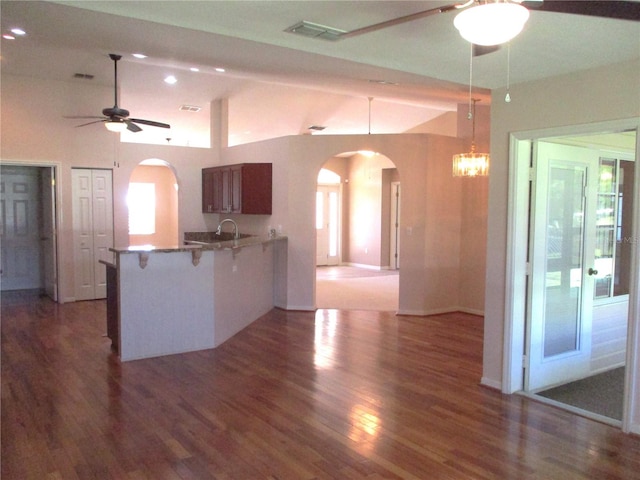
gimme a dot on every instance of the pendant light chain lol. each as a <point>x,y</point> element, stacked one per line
<point>473,126</point>
<point>507,97</point>
<point>471,164</point>
<point>470,115</point>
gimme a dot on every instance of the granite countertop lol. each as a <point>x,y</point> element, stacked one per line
<point>191,245</point>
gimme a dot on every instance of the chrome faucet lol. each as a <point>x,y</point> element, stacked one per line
<point>236,234</point>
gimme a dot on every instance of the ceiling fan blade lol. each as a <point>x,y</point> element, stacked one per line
<point>82,116</point>
<point>132,127</point>
<point>150,123</point>
<point>90,123</point>
<point>622,10</point>
<point>398,21</point>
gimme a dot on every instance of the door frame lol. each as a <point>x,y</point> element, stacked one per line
<point>394,227</point>
<point>520,154</point>
<point>56,200</point>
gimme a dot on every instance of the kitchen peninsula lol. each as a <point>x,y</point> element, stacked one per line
<point>163,301</point>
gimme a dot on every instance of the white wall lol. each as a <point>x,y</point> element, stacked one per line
<point>431,223</point>
<point>34,132</point>
<point>598,95</point>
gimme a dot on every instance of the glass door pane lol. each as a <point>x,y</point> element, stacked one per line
<point>564,260</point>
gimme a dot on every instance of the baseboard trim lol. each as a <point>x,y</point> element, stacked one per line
<point>491,383</point>
<point>471,311</point>
<point>296,308</point>
<point>364,265</point>
<point>440,311</point>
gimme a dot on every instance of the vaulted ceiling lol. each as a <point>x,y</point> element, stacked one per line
<point>278,83</point>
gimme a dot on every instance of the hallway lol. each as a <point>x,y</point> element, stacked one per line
<point>354,288</point>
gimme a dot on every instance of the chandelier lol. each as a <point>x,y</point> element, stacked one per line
<point>471,164</point>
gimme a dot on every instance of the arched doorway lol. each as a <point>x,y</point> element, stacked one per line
<point>357,274</point>
<point>152,200</point>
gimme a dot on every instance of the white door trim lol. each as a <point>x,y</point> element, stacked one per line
<point>516,265</point>
<point>394,227</point>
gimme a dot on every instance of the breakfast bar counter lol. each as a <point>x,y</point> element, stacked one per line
<point>177,299</point>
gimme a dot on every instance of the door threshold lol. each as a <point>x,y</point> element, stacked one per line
<point>570,408</point>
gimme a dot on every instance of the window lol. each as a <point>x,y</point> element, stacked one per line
<point>141,200</point>
<point>613,224</point>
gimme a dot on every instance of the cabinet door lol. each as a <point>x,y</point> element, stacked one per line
<point>235,177</point>
<point>212,190</point>
<point>216,194</point>
<point>256,188</point>
<point>224,190</point>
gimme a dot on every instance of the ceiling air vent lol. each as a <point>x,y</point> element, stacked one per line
<point>314,30</point>
<point>83,76</point>
<point>190,108</point>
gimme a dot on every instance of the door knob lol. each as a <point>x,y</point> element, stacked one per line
<point>592,271</point>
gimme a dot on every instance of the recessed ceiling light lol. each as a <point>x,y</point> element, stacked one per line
<point>139,55</point>
<point>194,69</point>
<point>6,36</point>
<point>220,70</point>
<point>18,31</point>
<point>171,80</point>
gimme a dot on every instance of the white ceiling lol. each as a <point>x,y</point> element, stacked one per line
<point>278,83</point>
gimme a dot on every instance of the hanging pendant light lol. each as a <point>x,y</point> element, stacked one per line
<point>492,22</point>
<point>471,164</point>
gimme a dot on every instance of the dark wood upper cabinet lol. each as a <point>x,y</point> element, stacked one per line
<point>244,188</point>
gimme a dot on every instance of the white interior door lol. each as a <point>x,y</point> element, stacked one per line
<point>328,225</point>
<point>93,230</point>
<point>20,229</point>
<point>562,256</point>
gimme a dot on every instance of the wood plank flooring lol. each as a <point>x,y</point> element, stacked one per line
<point>297,395</point>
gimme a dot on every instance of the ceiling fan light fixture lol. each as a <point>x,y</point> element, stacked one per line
<point>491,23</point>
<point>115,126</point>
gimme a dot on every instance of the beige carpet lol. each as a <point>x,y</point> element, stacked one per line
<point>349,288</point>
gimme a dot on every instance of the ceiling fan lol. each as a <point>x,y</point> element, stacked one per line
<point>117,119</point>
<point>622,10</point>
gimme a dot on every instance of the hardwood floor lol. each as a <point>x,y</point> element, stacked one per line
<point>297,395</point>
